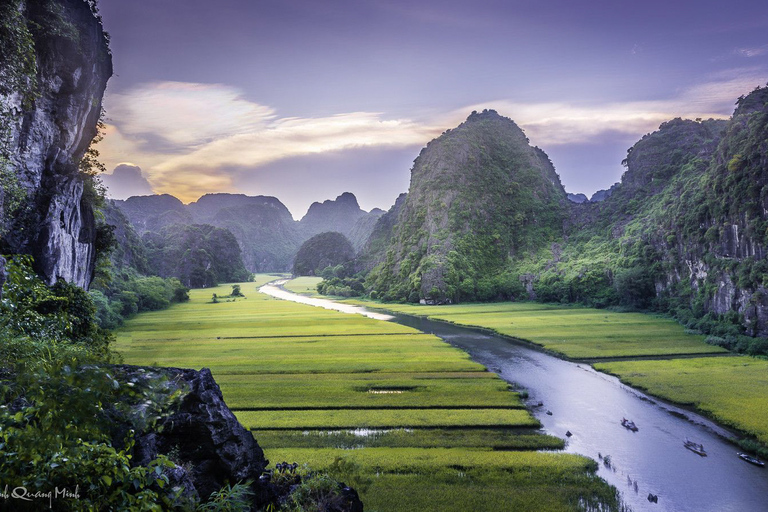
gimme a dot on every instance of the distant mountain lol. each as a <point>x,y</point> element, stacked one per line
<point>151,213</point>
<point>577,198</point>
<point>339,215</point>
<point>321,251</point>
<point>363,228</point>
<point>263,227</point>
<point>602,195</point>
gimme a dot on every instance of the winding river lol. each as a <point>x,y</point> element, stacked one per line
<point>591,405</point>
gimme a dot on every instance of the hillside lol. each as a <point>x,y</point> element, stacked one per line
<point>480,195</point>
<point>264,228</point>
<point>684,232</point>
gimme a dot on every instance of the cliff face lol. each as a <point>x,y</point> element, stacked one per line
<point>264,228</point>
<point>339,215</point>
<point>479,195</point>
<point>48,135</point>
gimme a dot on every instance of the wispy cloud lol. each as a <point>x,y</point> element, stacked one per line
<point>752,51</point>
<point>554,123</point>
<point>195,137</point>
<point>186,114</point>
<point>191,138</point>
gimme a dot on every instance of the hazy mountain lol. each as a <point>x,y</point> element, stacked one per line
<point>264,228</point>
<point>338,215</point>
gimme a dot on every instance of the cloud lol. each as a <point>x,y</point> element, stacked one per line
<point>559,123</point>
<point>754,51</point>
<point>185,114</point>
<point>125,181</point>
<point>197,138</point>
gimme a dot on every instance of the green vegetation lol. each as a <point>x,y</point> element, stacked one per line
<point>306,379</point>
<point>406,479</point>
<point>129,293</point>
<point>733,390</point>
<point>304,285</point>
<point>323,250</point>
<point>684,233</point>
<point>65,420</point>
<point>199,255</point>
<point>386,418</point>
<point>571,331</point>
<point>497,439</point>
<point>479,193</point>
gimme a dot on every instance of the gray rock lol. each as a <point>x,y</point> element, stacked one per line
<point>47,139</point>
<point>577,198</point>
<point>210,445</point>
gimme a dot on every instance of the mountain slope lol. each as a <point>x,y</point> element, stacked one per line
<point>479,195</point>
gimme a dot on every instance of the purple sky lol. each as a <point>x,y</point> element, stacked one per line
<point>304,100</point>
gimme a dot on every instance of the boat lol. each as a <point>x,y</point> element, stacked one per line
<point>629,425</point>
<point>696,448</point>
<point>751,459</point>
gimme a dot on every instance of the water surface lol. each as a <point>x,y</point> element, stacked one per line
<point>591,405</point>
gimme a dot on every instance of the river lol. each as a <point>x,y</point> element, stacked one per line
<point>591,405</point>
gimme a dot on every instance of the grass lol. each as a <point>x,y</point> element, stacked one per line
<point>366,390</point>
<point>306,380</point>
<point>385,418</point>
<point>407,479</point>
<point>571,331</point>
<point>305,285</point>
<point>497,438</point>
<point>732,390</point>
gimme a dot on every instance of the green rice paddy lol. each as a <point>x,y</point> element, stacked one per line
<point>733,390</point>
<point>424,427</point>
<point>571,331</point>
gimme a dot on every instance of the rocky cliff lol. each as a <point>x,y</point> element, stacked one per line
<point>52,114</point>
<point>684,232</point>
<point>479,195</point>
<point>339,215</point>
<point>209,445</point>
<point>268,236</point>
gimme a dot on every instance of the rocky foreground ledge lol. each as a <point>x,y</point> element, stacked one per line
<point>204,438</point>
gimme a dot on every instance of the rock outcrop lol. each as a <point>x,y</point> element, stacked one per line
<point>479,195</point>
<point>338,215</point>
<point>577,198</point>
<point>210,447</point>
<point>49,133</point>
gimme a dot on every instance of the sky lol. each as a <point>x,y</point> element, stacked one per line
<point>304,100</point>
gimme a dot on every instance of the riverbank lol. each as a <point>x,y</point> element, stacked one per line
<point>441,433</point>
<point>645,351</point>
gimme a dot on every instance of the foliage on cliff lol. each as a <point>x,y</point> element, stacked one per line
<point>323,250</point>
<point>199,255</point>
<point>480,195</point>
<point>685,232</point>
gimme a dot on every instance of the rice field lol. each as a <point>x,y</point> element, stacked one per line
<point>570,331</point>
<point>732,390</point>
<point>423,426</point>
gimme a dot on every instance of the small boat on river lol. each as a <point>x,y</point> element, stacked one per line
<point>696,448</point>
<point>751,459</point>
<point>629,425</point>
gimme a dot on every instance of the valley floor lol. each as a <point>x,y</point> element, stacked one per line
<point>655,354</point>
<point>408,420</point>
